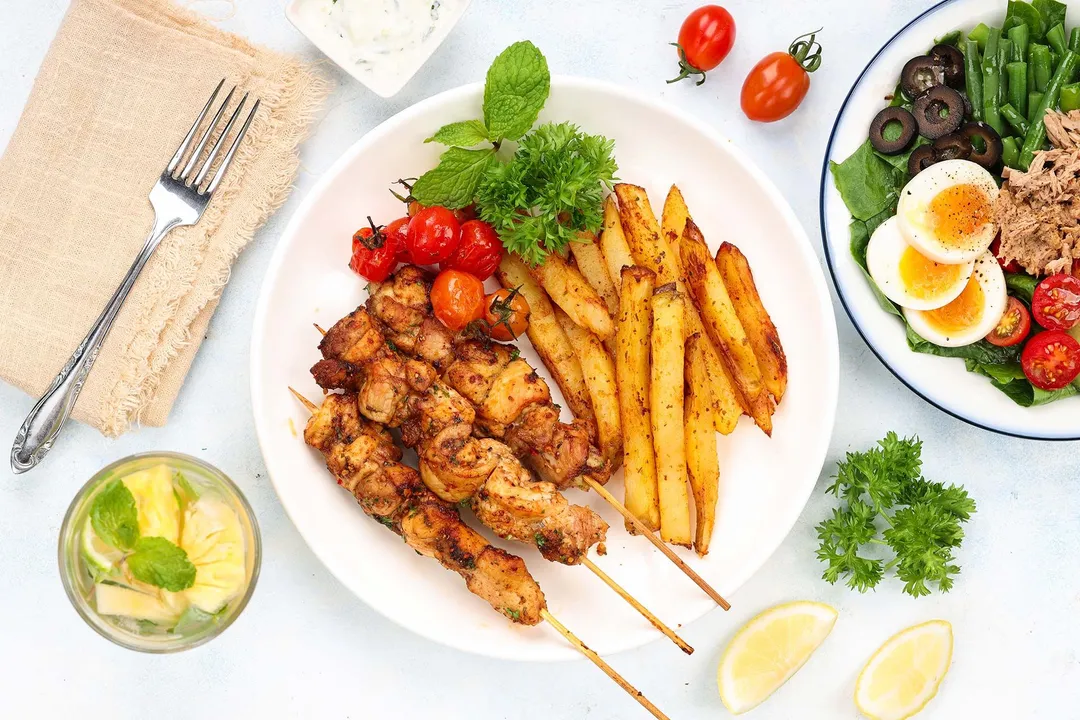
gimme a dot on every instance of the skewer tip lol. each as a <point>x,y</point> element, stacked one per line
<point>312,407</point>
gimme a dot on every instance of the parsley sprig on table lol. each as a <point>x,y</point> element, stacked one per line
<point>549,191</point>
<point>921,520</point>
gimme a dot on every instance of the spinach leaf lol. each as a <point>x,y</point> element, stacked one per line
<point>1022,13</point>
<point>981,352</point>
<point>1053,13</point>
<point>868,184</point>
<point>1021,285</point>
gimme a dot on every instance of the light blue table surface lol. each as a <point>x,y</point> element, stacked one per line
<point>305,647</point>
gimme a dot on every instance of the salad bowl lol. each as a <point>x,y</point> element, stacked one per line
<point>943,382</point>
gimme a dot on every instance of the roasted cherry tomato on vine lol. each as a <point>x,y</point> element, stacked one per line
<point>457,298</point>
<point>507,314</point>
<point>705,39</point>
<point>1013,327</point>
<point>1010,267</point>
<point>399,231</point>
<point>374,252</point>
<point>1056,302</point>
<point>1051,360</point>
<point>433,235</point>
<point>778,84</point>
<point>479,251</point>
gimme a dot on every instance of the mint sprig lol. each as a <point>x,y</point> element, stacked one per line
<point>464,134</point>
<point>115,517</point>
<point>161,563</point>
<point>517,86</point>
<point>453,182</point>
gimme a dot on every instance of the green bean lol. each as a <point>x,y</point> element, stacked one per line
<point>1070,98</point>
<point>1036,134</point>
<point>1040,59</point>
<point>992,81</point>
<point>973,78</point>
<point>1030,73</point>
<point>1021,37</point>
<point>1018,88</point>
<point>980,33</point>
<point>1074,39</point>
<point>1056,37</point>
<point>1014,118</point>
<point>1004,53</point>
<point>1034,98</point>
<point>1010,152</point>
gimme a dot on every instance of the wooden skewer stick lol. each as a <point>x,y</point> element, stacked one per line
<point>599,662</point>
<point>641,528</point>
<point>656,622</point>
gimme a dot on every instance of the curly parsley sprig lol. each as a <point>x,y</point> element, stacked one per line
<point>922,520</point>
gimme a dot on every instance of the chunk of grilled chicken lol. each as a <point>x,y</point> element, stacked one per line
<point>363,457</point>
<point>513,403</point>
<point>438,421</point>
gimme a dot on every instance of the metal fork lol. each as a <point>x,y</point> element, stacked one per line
<point>179,198</point>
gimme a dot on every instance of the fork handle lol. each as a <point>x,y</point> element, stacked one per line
<point>43,424</point>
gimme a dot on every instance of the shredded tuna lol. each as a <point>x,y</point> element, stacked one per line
<point>1038,211</point>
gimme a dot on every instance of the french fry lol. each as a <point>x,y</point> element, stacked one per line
<point>632,372</point>
<point>722,324</point>
<point>642,231</point>
<point>569,290</point>
<point>674,218</point>
<point>590,262</point>
<point>666,403</point>
<point>599,371</point>
<point>764,339</point>
<point>613,242</point>
<point>549,340</point>
<point>702,463</point>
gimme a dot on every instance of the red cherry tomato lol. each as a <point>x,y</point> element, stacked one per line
<point>507,314</point>
<point>1009,267</point>
<point>778,84</point>
<point>1051,360</point>
<point>479,251</point>
<point>433,235</point>
<point>462,214</point>
<point>457,298</point>
<point>1013,327</point>
<point>1056,302</point>
<point>374,253</point>
<point>399,230</point>
<point>705,39</point>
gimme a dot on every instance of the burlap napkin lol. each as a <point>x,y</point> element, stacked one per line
<point>118,89</point>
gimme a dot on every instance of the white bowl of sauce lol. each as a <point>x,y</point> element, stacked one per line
<point>381,43</point>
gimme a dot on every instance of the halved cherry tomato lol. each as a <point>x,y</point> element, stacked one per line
<point>1056,302</point>
<point>433,235</point>
<point>1013,327</point>
<point>507,314</point>
<point>1010,267</point>
<point>1051,360</point>
<point>457,298</point>
<point>705,39</point>
<point>399,229</point>
<point>778,84</point>
<point>478,252</point>
<point>374,252</point>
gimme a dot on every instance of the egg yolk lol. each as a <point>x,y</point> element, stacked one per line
<point>923,278</point>
<point>958,212</point>
<point>961,313</point>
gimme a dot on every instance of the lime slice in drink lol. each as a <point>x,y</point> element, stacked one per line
<point>101,558</point>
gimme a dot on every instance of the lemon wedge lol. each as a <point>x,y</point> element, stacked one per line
<point>214,542</point>
<point>155,499</point>
<point>905,673</point>
<point>768,650</point>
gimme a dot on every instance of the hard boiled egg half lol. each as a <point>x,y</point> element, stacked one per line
<point>909,278</point>
<point>946,211</point>
<point>972,315</point>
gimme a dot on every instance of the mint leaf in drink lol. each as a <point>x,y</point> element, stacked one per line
<point>452,183</point>
<point>465,134</point>
<point>161,563</point>
<point>518,83</point>
<point>114,516</point>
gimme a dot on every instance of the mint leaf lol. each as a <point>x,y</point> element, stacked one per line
<point>452,183</point>
<point>518,83</point>
<point>114,516</point>
<point>160,563</point>
<point>460,134</point>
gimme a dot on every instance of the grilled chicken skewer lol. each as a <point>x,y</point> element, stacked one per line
<point>458,467</point>
<point>512,401</point>
<point>363,457</point>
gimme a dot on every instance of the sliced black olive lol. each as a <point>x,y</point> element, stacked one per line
<point>951,62</point>
<point>920,74</point>
<point>938,111</point>
<point>953,146</point>
<point>985,143</point>
<point>889,117</point>
<point>921,158</point>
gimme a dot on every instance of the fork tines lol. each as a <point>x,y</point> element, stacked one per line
<point>198,183</point>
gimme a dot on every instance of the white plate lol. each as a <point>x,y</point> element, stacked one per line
<point>942,382</point>
<point>765,483</point>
